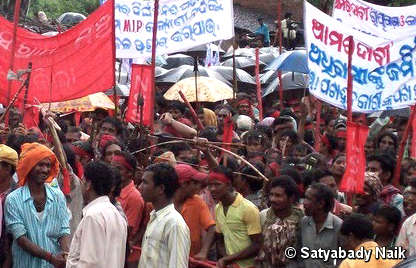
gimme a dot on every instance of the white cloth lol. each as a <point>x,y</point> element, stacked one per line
<point>100,239</point>
<point>166,242</point>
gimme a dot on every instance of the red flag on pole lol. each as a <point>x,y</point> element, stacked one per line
<point>353,179</point>
<point>259,100</point>
<point>141,85</point>
<point>413,145</point>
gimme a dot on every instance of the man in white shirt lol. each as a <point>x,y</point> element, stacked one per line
<point>166,242</point>
<point>100,239</point>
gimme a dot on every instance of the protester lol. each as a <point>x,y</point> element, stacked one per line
<point>319,228</point>
<point>166,242</point>
<point>264,31</point>
<point>131,201</point>
<point>386,222</point>
<point>362,237</point>
<point>100,239</point>
<point>368,202</point>
<point>194,210</point>
<point>238,230</point>
<point>36,213</point>
<point>280,223</point>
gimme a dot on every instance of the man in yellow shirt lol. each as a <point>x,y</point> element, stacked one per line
<point>357,232</point>
<point>238,229</point>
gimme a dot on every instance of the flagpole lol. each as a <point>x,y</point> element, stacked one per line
<point>152,101</point>
<point>259,99</point>
<point>114,59</point>
<point>349,97</point>
<point>396,177</point>
<point>15,24</point>
<point>279,73</point>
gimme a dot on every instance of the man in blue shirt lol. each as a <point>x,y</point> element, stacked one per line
<point>36,213</point>
<point>264,31</point>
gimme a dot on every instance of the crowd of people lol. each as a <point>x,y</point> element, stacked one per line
<point>169,198</point>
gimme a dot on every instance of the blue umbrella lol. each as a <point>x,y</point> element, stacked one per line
<point>291,61</point>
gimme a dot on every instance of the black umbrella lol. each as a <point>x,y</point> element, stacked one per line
<point>186,71</point>
<point>290,81</point>
<point>403,113</point>
<point>176,60</point>
<point>239,52</point>
<point>227,72</point>
<point>201,51</point>
<point>247,64</point>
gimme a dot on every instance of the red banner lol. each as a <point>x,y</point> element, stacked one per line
<point>141,85</point>
<point>353,179</point>
<point>67,66</point>
<point>413,145</point>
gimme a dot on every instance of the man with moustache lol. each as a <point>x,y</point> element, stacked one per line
<point>319,229</point>
<point>36,214</point>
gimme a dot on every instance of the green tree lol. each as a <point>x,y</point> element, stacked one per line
<point>55,8</point>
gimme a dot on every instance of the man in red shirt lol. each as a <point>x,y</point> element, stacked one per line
<point>194,210</point>
<point>131,201</point>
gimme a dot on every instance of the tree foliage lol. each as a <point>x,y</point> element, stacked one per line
<point>55,8</point>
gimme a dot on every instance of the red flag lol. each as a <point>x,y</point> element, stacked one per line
<point>141,85</point>
<point>31,116</point>
<point>227,136</point>
<point>67,66</point>
<point>353,179</point>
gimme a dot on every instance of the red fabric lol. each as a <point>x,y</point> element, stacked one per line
<point>341,134</point>
<point>80,169</point>
<point>67,66</point>
<point>31,117</point>
<point>194,263</point>
<point>413,146</point>
<point>66,184</point>
<point>105,139</point>
<point>275,168</point>
<point>228,132</point>
<point>214,176</point>
<point>141,84</point>
<point>353,179</point>
<point>77,118</point>
<point>122,161</point>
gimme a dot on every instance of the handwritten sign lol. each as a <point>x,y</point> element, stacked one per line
<point>387,22</point>
<point>182,24</point>
<point>384,72</point>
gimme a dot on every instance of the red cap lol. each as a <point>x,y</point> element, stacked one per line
<point>188,173</point>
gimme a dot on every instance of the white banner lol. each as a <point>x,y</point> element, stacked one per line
<point>182,24</point>
<point>387,22</point>
<point>384,72</point>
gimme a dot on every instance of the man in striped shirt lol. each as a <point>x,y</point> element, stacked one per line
<point>36,214</point>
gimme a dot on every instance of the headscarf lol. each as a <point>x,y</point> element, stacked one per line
<point>31,155</point>
<point>250,109</point>
<point>373,182</point>
<point>8,155</point>
<point>105,139</point>
<point>210,118</point>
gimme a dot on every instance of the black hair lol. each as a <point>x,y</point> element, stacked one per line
<point>351,222</point>
<point>255,135</point>
<point>116,182</point>
<point>210,133</point>
<point>108,144</point>
<point>323,193</point>
<point>177,105</point>
<point>288,184</point>
<point>70,157</point>
<point>320,173</point>
<point>101,177</point>
<point>255,184</point>
<point>288,112</point>
<point>115,122</point>
<point>292,173</point>
<point>288,15</point>
<point>15,141</point>
<point>391,214</point>
<point>265,129</point>
<point>293,136</point>
<point>176,148</point>
<point>386,161</point>
<point>232,163</point>
<point>164,174</point>
<point>84,145</point>
<point>391,135</point>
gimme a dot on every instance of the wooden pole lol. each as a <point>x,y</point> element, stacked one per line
<point>318,125</point>
<point>154,44</point>
<point>12,52</point>
<point>114,61</point>
<point>396,175</point>
<point>350,196</point>
<point>191,109</point>
<point>258,84</point>
<point>27,82</point>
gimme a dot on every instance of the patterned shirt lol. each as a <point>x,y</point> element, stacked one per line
<point>22,219</point>
<point>407,236</point>
<point>278,234</point>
